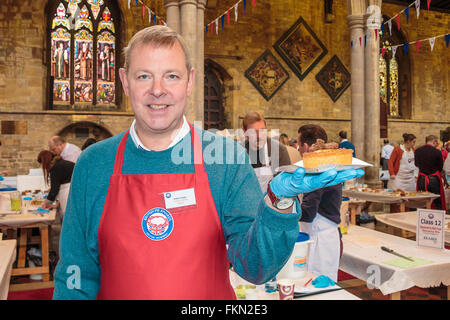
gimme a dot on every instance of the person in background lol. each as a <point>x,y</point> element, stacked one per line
<point>284,139</point>
<point>386,152</point>
<point>88,142</point>
<point>293,143</point>
<point>344,143</point>
<point>401,165</point>
<point>65,150</point>
<point>430,163</point>
<point>57,173</point>
<point>123,229</point>
<point>266,154</point>
<point>445,150</point>
<point>321,215</point>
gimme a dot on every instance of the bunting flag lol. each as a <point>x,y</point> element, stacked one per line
<point>365,41</point>
<point>376,34</point>
<point>447,39</point>
<point>405,48</point>
<point>150,13</point>
<point>383,52</point>
<point>390,27</point>
<point>227,15</point>
<point>394,50</point>
<point>417,8</point>
<point>418,44</point>
<point>398,21</point>
<point>382,30</point>
<point>360,44</point>
<point>432,41</point>
<point>407,15</point>
<point>351,44</point>
<point>428,4</point>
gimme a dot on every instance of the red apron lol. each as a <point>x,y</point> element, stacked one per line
<point>441,187</point>
<point>148,252</point>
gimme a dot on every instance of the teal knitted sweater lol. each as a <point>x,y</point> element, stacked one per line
<point>259,239</point>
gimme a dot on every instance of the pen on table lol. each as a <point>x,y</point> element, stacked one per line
<point>307,282</point>
<point>395,253</point>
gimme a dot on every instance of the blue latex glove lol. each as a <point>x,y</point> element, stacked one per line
<point>291,184</point>
<point>322,282</point>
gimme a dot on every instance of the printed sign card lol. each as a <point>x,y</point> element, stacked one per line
<point>430,228</point>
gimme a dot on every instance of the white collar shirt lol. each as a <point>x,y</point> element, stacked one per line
<point>181,134</point>
<point>70,152</point>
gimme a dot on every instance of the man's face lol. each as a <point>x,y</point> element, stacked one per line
<point>55,148</point>
<point>158,85</point>
<point>256,134</point>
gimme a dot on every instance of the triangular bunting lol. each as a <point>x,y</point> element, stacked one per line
<point>428,4</point>
<point>154,19</point>
<point>394,50</point>
<point>206,29</point>
<point>351,44</point>
<point>143,11</point>
<point>360,43</point>
<point>149,16</point>
<point>382,29</point>
<point>253,3</point>
<point>405,48</point>
<point>222,20</point>
<point>236,12</point>
<point>228,16</point>
<point>447,39</point>
<point>376,34</point>
<point>407,15</point>
<point>129,4</point>
<point>216,23</point>
<point>383,52</point>
<point>245,5</point>
<point>390,27</point>
<point>137,3</point>
<point>432,41</point>
<point>398,21</point>
<point>418,8</point>
<point>365,41</point>
<point>418,44</point>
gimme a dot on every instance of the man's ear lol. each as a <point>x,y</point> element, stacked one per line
<point>191,81</point>
<point>124,80</point>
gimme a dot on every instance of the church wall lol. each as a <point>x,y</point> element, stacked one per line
<point>23,74</point>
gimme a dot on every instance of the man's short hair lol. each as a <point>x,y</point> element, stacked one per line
<point>310,133</point>
<point>430,138</point>
<point>385,141</point>
<point>57,140</point>
<point>158,36</point>
<point>343,134</point>
<point>251,118</point>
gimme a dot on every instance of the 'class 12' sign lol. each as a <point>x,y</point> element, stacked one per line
<point>430,228</point>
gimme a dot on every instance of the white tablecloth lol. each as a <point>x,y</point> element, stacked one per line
<point>408,221</point>
<point>236,280</point>
<point>363,258</point>
<point>7,258</point>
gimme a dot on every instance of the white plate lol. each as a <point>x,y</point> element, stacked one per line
<point>356,164</point>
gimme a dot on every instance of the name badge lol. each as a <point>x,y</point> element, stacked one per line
<point>180,198</point>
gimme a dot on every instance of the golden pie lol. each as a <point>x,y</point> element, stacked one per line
<point>327,156</point>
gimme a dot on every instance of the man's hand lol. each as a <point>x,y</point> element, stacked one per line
<point>291,184</point>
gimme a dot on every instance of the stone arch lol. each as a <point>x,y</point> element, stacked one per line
<point>78,132</point>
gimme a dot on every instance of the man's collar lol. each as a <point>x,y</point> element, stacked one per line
<point>181,134</point>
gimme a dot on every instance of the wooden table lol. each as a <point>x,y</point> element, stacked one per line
<point>408,221</point>
<point>24,223</point>
<point>363,258</point>
<point>7,258</point>
<point>417,201</point>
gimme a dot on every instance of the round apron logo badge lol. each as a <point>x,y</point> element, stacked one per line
<point>157,224</point>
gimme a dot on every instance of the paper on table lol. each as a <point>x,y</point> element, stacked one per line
<point>356,164</point>
<point>406,264</point>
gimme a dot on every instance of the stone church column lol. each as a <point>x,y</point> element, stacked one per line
<point>372,94</point>
<point>173,14</point>
<point>200,62</point>
<point>188,29</point>
<point>355,21</point>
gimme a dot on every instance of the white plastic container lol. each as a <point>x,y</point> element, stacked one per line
<point>296,267</point>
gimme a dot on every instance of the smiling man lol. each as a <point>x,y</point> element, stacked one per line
<point>140,226</point>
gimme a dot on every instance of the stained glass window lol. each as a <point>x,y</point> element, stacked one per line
<point>83,44</point>
<point>389,79</point>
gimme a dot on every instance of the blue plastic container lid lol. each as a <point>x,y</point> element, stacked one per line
<point>345,198</point>
<point>302,237</point>
<point>28,198</point>
<point>8,189</point>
